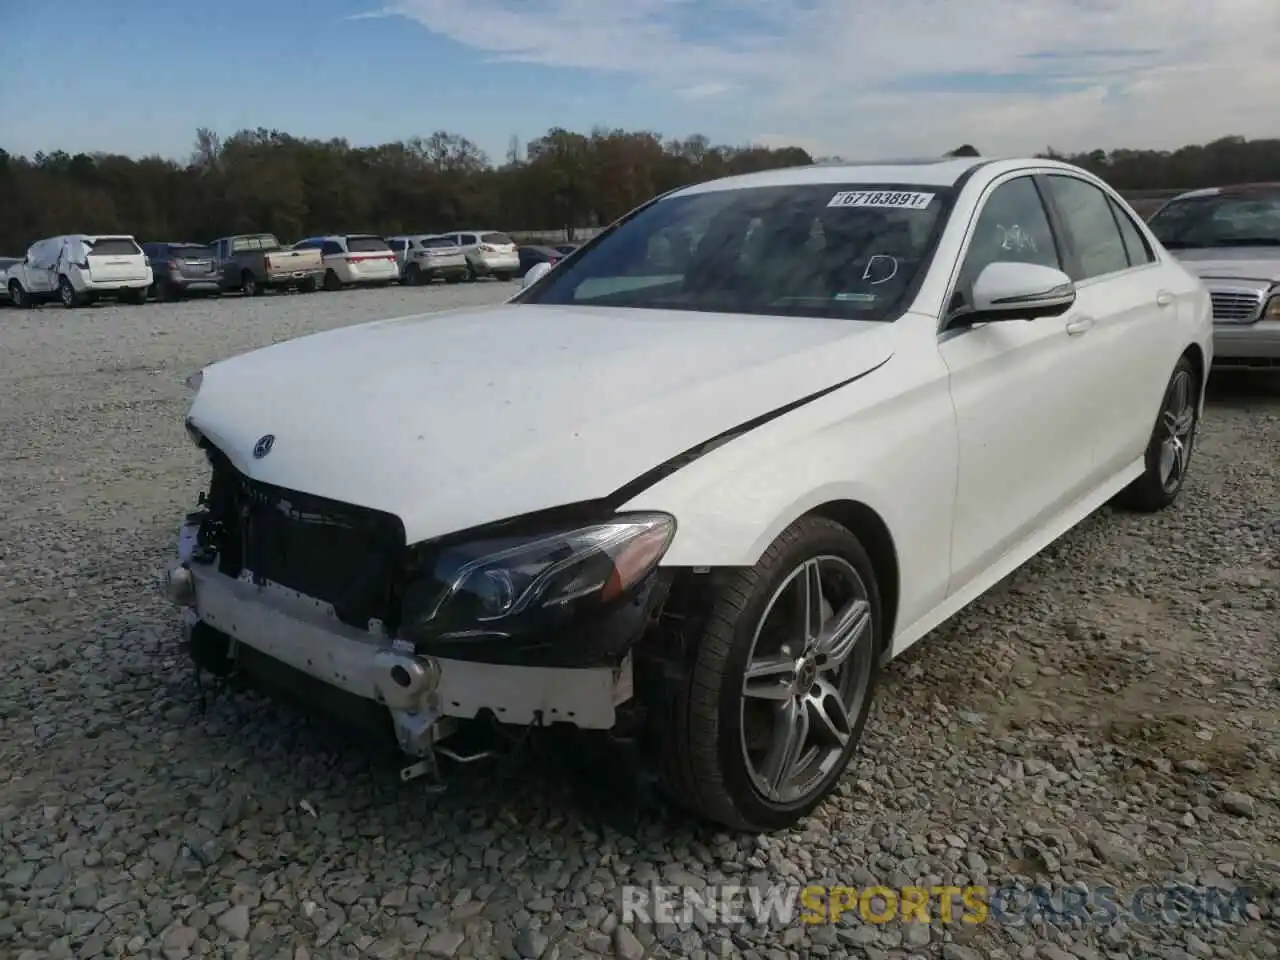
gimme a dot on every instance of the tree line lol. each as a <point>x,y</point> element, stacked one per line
<point>268,180</point>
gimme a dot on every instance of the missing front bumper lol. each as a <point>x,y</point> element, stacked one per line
<point>424,696</point>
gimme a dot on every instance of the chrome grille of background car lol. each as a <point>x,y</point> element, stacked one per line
<point>1235,306</point>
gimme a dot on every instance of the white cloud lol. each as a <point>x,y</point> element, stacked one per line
<point>844,76</point>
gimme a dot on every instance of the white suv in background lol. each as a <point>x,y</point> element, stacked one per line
<point>357,258</point>
<point>79,269</point>
<point>488,252</point>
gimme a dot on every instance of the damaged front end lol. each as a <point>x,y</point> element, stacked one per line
<point>529,622</point>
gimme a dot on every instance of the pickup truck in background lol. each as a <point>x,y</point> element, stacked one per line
<point>256,262</point>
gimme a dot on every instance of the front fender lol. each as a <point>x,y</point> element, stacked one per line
<point>887,441</point>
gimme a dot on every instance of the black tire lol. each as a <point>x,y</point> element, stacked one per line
<point>249,284</point>
<point>307,286</point>
<point>67,294</point>
<point>19,297</point>
<point>1175,430</point>
<point>702,745</point>
<point>331,281</point>
<point>165,293</point>
<point>413,275</point>
<point>453,278</point>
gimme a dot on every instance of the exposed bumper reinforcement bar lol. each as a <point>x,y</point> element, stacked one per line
<point>419,691</point>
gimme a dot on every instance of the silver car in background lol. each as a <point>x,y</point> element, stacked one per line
<point>1230,237</point>
<point>424,257</point>
<point>488,252</point>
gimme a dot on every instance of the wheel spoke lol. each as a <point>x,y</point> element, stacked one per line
<point>828,716</point>
<point>842,634</point>
<point>790,734</point>
<point>811,605</point>
<point>769,678</point>
<point>1179,458</point>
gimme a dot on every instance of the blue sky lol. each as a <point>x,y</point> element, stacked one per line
<point>915,76</point>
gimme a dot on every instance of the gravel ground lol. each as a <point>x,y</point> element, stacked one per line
<point>1108,716</point>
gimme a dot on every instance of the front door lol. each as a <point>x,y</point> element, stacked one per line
<point>1021,404</point>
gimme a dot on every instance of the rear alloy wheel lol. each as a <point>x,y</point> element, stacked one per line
<point>1169,451</point>
<point>781,683</point>
<point>249,284</point>
<point>67,293</point>
<point>18,296</point>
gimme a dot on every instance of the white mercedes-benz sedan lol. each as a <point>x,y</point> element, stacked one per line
<point>696,484</point>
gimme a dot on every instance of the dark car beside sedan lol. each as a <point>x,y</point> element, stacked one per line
<point>181,269</point>
<point>534,254</point>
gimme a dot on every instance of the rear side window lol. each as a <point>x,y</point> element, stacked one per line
<point>366,245</point>
<point>112,247</point>
<point>496,239</point>
<point>1135,244</point>
<point>330,248</point>
<point>1088,217</point>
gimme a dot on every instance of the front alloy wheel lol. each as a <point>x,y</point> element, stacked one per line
<point>780,684</point>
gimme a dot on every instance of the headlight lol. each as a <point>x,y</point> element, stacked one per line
<point>484,586</point>
<point>1272,310</point>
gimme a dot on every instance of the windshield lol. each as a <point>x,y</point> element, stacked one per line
<point>366,245</point>
<point>822,250</point>
<point>1222,220</point>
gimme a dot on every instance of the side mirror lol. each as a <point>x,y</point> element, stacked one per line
<point>1010,290</point>
<point>536,273</point>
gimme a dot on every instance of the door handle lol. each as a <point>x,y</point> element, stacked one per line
<point>1164,298</point>
<point>1079,325</point>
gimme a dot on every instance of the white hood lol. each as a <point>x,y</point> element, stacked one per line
<point>452,420</point>
<point>1233,263</point>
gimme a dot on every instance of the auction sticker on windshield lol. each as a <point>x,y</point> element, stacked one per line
<point>891,199</point>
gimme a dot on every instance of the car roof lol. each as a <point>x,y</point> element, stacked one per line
<point>928,172</point>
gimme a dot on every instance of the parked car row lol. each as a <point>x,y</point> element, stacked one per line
<point>79,269</point>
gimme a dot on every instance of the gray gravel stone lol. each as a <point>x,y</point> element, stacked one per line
<point>1107,715</point>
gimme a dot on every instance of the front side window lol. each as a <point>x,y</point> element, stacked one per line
<point>1086,211</point>
<point>1237,219</point>
<point>1013,226</point>
<point>822,250</point>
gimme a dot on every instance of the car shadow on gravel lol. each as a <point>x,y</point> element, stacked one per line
<point>1246,390</point>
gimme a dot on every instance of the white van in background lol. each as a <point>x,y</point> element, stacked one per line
<point>79,269</point>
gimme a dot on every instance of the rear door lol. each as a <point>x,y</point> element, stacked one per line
<point>366,247</point>
<point>193,262</point>
<point>1125,310</point>
<point>114,259</point>
<point>497,243</point>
